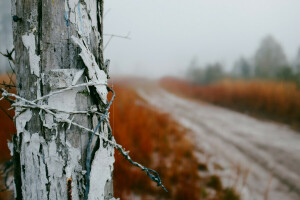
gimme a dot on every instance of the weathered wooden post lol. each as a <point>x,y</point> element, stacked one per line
<point>58,45</point>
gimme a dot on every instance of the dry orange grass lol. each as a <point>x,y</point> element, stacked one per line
<point>6,131</point>
<point>7,125</point>
<point>275,100</point>
<point>156,141</point>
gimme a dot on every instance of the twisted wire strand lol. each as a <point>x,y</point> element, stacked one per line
<point>152,174</point>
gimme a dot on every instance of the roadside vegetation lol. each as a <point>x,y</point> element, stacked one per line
<point>274,100</point>
<point>158,142</point>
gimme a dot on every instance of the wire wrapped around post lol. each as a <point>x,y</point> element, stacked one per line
<point>26,104</point>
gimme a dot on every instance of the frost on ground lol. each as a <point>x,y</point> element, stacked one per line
<point>260,159</point>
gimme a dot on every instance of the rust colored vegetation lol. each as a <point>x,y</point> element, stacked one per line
<point>278,101</point>
<point>155,141</point>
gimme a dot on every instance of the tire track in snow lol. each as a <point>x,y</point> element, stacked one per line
<point>235,139</point>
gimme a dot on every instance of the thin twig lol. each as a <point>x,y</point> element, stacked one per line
<point>11,82</point>
<point>12,69</point>
<point>7,85</point>
<point>105,14</point>
<point>118,36</point>
<point>9,55</point>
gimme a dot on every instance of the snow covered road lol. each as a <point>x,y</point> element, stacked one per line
<point>260,159</point>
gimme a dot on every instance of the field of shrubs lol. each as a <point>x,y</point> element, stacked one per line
<point>278,101</point>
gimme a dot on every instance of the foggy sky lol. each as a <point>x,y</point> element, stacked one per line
<point>167,34</point>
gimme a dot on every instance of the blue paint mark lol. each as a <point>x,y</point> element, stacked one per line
<point>80,19</point>
<point>66,18</point>
<point>88,149</point>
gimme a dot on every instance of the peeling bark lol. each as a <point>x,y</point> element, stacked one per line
<point>49,154</point>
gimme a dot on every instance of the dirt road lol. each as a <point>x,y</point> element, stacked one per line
<point>260,159</point>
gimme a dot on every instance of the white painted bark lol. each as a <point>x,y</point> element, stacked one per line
<point>49,155</point>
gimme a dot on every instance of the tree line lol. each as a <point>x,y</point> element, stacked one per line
<point>269,62</point>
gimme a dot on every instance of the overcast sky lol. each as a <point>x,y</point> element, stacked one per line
<point>167,34</point>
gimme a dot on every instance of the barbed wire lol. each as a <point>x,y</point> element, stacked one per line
<point>27,104</point>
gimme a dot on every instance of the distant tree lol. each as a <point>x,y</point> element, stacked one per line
<point>194,63</point>
<point>211,73</point>
<point>269,58</point>
<point>242,68</point>
<point>194,72</point>
<point>285,73</point>
<point>297,62</point>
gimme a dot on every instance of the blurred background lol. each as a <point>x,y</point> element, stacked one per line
<point>207,91</point>
<point>169,36</point>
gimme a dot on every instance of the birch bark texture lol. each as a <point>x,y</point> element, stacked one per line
<point>58,43</point>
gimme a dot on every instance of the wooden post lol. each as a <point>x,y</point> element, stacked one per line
<point>49,154</point>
